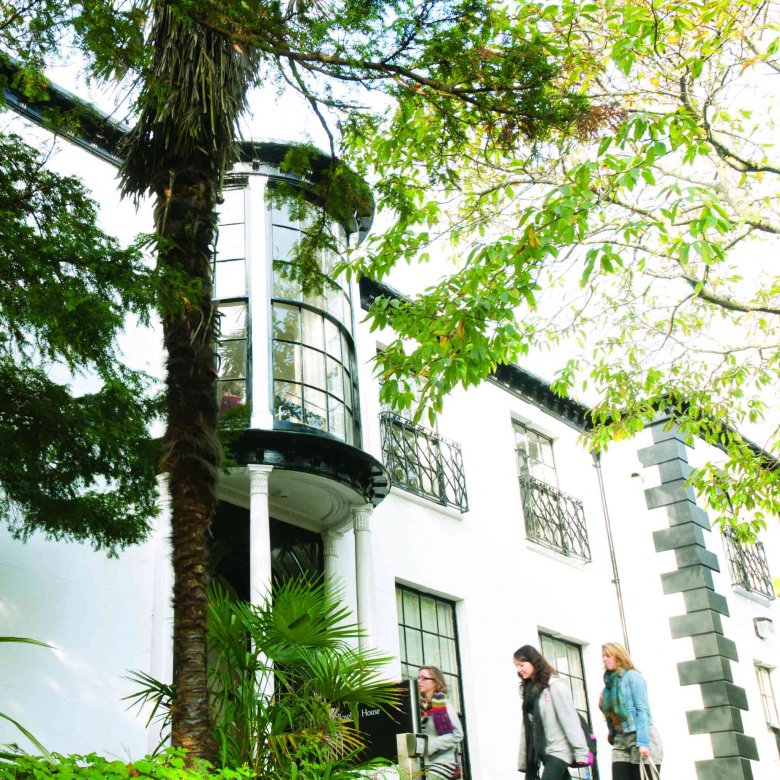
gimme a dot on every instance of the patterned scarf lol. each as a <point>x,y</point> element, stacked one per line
<point>436,708</point>
<point>613,705</point>
<point>535,740</point>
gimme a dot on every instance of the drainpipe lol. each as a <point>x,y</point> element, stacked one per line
<point>611,541</point>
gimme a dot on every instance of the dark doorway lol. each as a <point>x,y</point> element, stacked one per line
<point>294,551</point>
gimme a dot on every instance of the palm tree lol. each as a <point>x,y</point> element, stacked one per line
<point>194,88</point>
<point>286,684</point>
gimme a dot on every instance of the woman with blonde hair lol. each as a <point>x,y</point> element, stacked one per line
<point>626,707</point>
<point>439,720</point>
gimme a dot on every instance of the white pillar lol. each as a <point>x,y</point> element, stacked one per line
<point>259,533</point>
<point>259,260</point>
<point>330,557</point>
<point>364,572</point>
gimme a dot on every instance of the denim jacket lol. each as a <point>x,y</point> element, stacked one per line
<point>633,689</point>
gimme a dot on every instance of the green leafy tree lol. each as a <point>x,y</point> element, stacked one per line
<point>643,256</point>
<point>74,466</point>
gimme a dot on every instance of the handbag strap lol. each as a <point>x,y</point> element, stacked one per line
<point>648,770</point>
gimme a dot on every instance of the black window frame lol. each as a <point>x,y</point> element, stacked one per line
<point>409,669</point>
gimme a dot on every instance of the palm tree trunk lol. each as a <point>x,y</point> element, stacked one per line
<point>185,218</point>
<point>193,92</point>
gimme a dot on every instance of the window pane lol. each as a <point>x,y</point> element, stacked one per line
<point>231,394</point>
<point>445,619</point>
<point>449,661</point>
<point>314,368</point>
<point>411,609</point>
<point>232,209</point>
<point>287,361</point>
<point>314,409</point>
<point>287,322</point>
<point>284,287</point>
<point>414,647</point>
<point>284,242</point>
<point>336,417</point>
<point>232,358</point>
<point>230,242</point>
<point>280,215</point>
<point>332,340</point>
<point>288,404</point>
<point>232,320</point>
<point>230,281</point>
<point>312,330</point>
<point>428,610</point>
<point>335,378</point>
<point>431,650</point>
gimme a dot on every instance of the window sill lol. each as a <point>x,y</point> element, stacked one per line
<point>547,552</point>
<point>752,595</point>
<point>428,503</point>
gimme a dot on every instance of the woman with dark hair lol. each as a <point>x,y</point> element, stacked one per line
<point>439,720</point>
<point>551,734</point>
<point>626,707</point>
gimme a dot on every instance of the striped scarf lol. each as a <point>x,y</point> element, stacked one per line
<point>436,708</point>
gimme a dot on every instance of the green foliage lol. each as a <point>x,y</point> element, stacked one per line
<point>168,766</point>
<point>637,249</point>
<point>286,684</point>
<point>78,467</point>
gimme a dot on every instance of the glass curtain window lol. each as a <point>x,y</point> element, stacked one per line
<point>231,296</point>
<point>534,454</point>
<point>313,357</point>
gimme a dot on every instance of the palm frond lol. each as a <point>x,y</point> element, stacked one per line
<point>27,734</point>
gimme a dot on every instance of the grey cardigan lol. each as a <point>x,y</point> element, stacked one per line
<point>564,737</point>
<point>441,747</point>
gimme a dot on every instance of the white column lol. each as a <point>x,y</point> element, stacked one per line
<point>259,260</point>
<point>259,533</point>
<point>364,572</point>
<point>330,556</point>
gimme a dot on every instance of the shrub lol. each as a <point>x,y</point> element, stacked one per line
<point>166,766</point>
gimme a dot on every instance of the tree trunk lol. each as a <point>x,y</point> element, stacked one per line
<point>185,217</point>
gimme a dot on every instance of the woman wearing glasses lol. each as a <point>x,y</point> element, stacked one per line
<point>551,737</point>
<point>439,720</point>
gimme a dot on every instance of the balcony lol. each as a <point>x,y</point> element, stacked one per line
<point>423,462</point>
<point>554,519</point>
<point>748,566</point>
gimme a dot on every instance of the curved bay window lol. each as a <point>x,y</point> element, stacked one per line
<point>313,354</point>
<point>230,294</point>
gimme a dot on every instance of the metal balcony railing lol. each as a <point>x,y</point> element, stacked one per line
<point>423,462</point>
<point>748,565</point>
<point>554,519</point>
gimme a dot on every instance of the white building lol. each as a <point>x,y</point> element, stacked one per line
<point>499,529</point>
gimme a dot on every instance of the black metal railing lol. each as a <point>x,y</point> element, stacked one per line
<point>554,519</point>
<point>423,462</point>
<point>748,565</point>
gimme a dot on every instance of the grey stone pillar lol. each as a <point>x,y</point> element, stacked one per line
<point>710,668</point>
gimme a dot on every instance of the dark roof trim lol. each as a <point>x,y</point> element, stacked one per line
<point>82,124</point>
<point>64,114</point>
<point>521,383</point>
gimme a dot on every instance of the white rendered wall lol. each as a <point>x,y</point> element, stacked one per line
<point>98,615</point>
